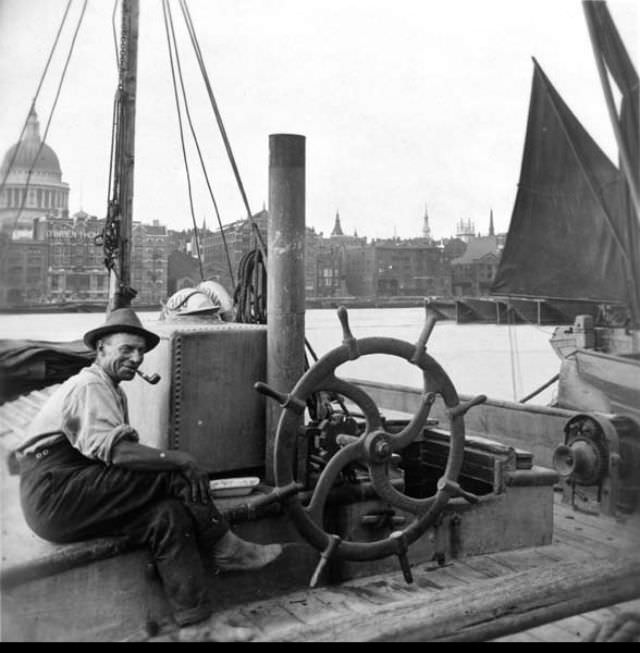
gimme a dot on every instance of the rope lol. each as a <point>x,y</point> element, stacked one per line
<point>537,391</point>
<point>109,239</point>
<point>512,355</point>
<point>35,97</point>
<point>250,295</point>
<point>53,108</point>
<point>114,31</point>
<point>197,144</point>
<point>166,11</point>
<point>214,104</point>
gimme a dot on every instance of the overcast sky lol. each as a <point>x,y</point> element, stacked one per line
<point>404,103</point>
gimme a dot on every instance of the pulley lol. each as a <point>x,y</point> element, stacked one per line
<point>584,461</point>
<point>583,457</point>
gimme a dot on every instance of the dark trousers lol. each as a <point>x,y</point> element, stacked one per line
<point>67,497</point>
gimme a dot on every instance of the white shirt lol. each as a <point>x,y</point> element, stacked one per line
<point>90,410</point>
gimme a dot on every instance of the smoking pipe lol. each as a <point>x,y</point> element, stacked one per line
<point>153,379</point>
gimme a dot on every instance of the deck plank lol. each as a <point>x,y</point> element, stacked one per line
<point>521,559</point>
<point>491,568</point>
<point>444,577</point>
<point>624,524</point>
<point>308,608</point>
<point>269,616</point>
<point>372,592</point>
<point>464,572</point>
<point>345,601</point>
<point>582,542</point>
<point>619,540</point>
<point>559,551</point>
<point>527,637</point>
<point>554,632</point>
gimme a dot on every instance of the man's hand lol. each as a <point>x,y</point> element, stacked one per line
<point>196,475</point>
<point>134,455</point>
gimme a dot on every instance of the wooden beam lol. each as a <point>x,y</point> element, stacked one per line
<point>489,609</point>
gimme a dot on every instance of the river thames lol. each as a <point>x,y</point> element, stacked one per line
<point>501,361</point>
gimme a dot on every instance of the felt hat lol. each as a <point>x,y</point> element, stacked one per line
<point>121,320</point>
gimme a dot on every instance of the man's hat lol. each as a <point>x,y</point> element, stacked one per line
<point>121,320</point>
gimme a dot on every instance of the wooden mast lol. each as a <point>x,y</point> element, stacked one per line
<point>120,291</point>
<point>597,16</point>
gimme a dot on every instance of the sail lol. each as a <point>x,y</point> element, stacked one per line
<point>569,225</point>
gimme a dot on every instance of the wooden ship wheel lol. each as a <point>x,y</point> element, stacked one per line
<point>374,447</point>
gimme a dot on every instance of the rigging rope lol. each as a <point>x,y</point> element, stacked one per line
<point>516,379</point>
<point>165,11</point>
<point>250,295</point>
<point>198,149</point>
<point>109,239</point>
<point>53,108</point>
<point>214,104</point>
<point>538,390</point>
<point>114,31</point>
<point>250,290</point>
<point>35,97</point>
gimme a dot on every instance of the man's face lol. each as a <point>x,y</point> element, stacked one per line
<point>120,355</point>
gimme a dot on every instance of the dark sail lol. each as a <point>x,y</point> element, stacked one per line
<point>569,223</point>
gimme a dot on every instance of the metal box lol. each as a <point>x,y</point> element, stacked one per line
<point>585,334</point>
<point>205,402</point>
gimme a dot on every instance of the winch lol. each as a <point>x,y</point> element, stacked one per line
<point>602,452</point>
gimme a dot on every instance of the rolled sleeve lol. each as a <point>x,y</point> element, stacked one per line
<point>94,421</point>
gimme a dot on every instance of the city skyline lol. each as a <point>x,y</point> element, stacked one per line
<point>403,105</point>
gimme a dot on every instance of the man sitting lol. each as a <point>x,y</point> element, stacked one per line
<point>84,474</point>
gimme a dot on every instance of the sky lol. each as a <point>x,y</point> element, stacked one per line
<point>406,105</point>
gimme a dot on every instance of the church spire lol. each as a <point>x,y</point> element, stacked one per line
<point>491,230</point>
<point>426,229</point>
<point>32,132</point>
<point>337,228</point>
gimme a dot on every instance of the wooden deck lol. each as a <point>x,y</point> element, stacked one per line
<point>367,608</point>
<point>362,609</point>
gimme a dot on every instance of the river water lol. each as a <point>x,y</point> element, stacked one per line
<point>501,361</point>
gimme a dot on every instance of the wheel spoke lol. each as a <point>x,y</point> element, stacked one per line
<point>351,452</point>
<point>412,429</point>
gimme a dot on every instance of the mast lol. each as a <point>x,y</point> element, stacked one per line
<point>590,7</point>
<point>121,203</point>
<point>612,58</point>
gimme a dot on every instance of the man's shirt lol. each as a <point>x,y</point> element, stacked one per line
<point>90,410</point>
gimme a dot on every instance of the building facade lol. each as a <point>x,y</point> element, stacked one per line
<point>473,272</point>
<point>64,256</point>
<point>412,267</point>
<point>149,262</point>
<point>221,250</point>
<point>76,270</point>
<point>23,271</point>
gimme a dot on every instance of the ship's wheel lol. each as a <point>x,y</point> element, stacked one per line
<point>374,447</point>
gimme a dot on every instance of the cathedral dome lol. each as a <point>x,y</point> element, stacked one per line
<point>27,149</point>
